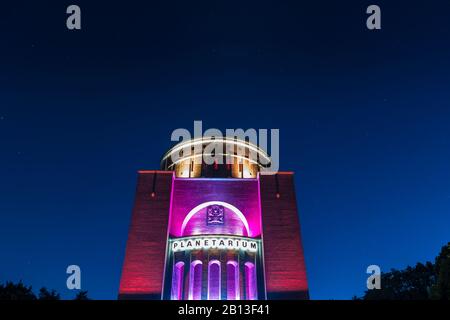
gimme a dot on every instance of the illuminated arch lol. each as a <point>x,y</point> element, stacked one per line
<point>233,209</point>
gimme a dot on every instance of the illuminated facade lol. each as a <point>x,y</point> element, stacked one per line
<point>214,231</point>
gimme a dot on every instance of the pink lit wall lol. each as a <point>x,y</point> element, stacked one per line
<point>163,200</point>
<point>284,262</point>
<point>143,267</point>
<point>239,197</point>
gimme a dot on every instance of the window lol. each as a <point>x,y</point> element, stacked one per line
<point>177,281</point>
<point>233,292</point>
<point>195,280</point>
<point>214,280</point>
<point>250,281</point>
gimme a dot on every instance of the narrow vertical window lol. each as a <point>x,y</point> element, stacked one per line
<point>233,292</point>
<point>214,280</point>
<point>177,281</point>
<point>250,281</point>
<point>195,280</point>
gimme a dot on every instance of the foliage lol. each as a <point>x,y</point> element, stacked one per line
<point>409,284</point>
<point>16,291</point>
<point>45,294</point>
<point>82,295</point>
<point>441,289</point>
<point>19,291</point>
<point>422,282</point>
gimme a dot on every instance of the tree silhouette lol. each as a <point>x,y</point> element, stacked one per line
<point>423,282</point>
<point>82,295</point>
<point>412,283</point>
<point>16,291</point>
<point>441,290</point>
<point>44,294</point>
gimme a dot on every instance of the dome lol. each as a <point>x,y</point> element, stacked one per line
<point>222,157</point>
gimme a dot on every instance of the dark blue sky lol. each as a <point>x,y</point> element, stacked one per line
<point>364,119</point>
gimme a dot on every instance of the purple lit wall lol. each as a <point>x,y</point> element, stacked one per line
<point>240,198</point>
<point>214,280</point>
<point>167,208</point>
<point>195,280</point>
<point>232,280</point>
<point>177,281</point>
<point>250,281</point>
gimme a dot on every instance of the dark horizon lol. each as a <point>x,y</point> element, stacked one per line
<point>363,118</point>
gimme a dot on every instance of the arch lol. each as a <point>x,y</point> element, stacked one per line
<point>214,280</point>
<point>250,281</point>
<point>189,144</point>
<point>177,281</point>
<point>195,280</point>
<point>233,288</point>
<point>233,209</point>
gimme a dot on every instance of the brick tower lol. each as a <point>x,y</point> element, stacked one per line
<point>220,231</point>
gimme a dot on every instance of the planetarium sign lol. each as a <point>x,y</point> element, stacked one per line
<point>229,243</point>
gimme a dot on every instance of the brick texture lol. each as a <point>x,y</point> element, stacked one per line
<point>143,268</point>
<point>283,253</point>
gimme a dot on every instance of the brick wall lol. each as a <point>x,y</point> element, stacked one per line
<point>143,268</point>
<point>283,253</point>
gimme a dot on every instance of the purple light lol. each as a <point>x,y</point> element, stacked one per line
<point>191,197</point>
<point>177,281</point>
<point>214,280</point>
<point>195,280</point>
<point>250,281</point>
<point>233,292</point>
<point>196,215</point>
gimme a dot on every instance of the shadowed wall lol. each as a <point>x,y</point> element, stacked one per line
<point>283,253</point>
<point>143,269</point>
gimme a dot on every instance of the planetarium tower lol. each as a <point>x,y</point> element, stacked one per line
<point>220,230</point>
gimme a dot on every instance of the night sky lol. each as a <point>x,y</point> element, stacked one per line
<point>364,119</point>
